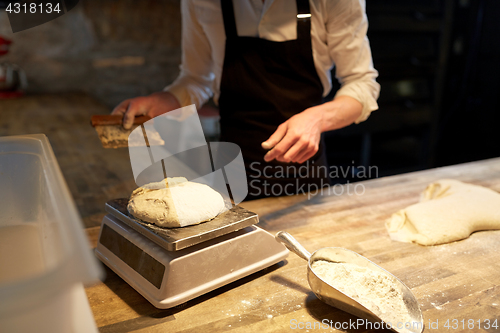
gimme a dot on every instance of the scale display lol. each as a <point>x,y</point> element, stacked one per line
<point>141,262</point>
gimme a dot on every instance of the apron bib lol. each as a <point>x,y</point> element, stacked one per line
<point>263,84</point>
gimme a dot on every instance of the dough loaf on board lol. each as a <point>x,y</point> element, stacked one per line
<point>180,204</point>
<point>449,210</point>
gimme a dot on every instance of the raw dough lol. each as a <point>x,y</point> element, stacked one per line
<point>116,137</point>
<point>448,211</point>
<point>181,203</point>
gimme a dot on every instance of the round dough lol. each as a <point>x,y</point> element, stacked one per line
<point>180,204</point>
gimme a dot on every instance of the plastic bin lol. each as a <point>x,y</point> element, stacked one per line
<point>44,255</point>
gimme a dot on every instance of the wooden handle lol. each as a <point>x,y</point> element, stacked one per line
<point>107,120</point>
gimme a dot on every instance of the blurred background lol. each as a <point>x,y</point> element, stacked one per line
<point>438,63</point>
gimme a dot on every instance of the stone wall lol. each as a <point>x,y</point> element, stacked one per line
<point>111,49</point>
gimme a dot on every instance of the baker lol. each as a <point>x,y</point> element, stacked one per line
<point>267,64</point>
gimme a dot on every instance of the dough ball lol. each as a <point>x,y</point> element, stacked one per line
<point>449,210</point>
<point>181,204</point>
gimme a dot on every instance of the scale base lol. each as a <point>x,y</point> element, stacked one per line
<point>169,278</point>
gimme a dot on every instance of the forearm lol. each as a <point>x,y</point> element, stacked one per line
<point>163,102</point>
<point>365,90</point>
<point>339,113</point>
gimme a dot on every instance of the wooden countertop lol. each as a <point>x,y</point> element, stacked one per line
<point>458,281</point>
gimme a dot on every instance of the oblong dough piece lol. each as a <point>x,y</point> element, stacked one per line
<point>181,204</point>
<point>449,210</point>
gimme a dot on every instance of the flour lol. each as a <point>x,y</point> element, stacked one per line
<point>376,291</point>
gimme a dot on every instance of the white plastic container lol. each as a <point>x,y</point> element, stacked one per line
<point>44,255</point>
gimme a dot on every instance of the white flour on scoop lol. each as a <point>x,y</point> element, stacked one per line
<point>376,291</point>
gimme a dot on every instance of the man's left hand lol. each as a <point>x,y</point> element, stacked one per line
<point>297,139</point>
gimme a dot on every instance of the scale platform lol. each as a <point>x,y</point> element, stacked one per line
<point>171,266</point>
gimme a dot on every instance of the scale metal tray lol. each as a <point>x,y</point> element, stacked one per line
<point>174,239</point>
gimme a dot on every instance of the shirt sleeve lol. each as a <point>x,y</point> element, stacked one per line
<point>193,85</point>
<point>349,48</point>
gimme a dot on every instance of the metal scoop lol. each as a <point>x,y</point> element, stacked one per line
<point>338,299</point>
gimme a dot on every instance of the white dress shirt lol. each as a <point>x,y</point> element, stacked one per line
<point>338,33</point>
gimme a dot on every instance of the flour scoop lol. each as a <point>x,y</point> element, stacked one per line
<point>360,308</point>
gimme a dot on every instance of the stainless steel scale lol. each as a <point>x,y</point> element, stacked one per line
<point>171,266</point>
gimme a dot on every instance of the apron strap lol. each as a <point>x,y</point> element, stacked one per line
<point>303,19</point>
<point>228,17</point>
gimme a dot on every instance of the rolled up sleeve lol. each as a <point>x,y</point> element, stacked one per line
<point>193,85</point>
<point>349,49</point>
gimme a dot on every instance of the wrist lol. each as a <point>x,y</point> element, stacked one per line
<point>164,102</point>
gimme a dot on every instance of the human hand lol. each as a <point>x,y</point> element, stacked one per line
<point>152,106</point>
<point>297,139</point>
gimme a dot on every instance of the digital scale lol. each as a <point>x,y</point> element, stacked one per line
<point>171,266</point>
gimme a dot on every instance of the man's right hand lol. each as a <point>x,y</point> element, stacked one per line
<point>152,106</point>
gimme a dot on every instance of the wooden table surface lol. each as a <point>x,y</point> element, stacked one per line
<point>458,281</point>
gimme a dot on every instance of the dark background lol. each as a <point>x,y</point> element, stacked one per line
<point>437,59</point>
<point>439,66</point>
